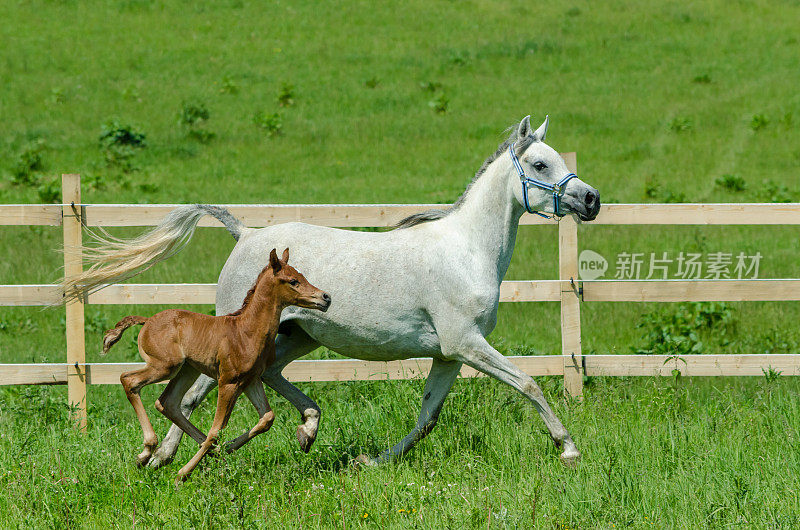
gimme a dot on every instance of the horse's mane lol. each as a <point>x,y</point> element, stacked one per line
<point>438,213</point>
<point>249,296</point>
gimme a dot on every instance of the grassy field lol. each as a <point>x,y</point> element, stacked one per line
<point>353,102</point>
<point>656,455</point>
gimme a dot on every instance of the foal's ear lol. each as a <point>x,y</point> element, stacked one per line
<point>285,257</point>
<point>524,127</point>
<point>273,260</point>
<point>540,133</point>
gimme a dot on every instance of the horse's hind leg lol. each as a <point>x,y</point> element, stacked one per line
<point>133,382</point>
<point>169,404</point>
<point>440,379</point>
<point>255,393</point>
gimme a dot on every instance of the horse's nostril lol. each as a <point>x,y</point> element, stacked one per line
<point>589,199</point>
<point>326,297</point>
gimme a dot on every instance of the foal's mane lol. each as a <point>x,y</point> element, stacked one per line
<point>249,296</point>
<point>438,213</point>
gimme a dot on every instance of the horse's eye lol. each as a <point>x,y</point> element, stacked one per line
<point>539,166</point>
<point>294,283</point>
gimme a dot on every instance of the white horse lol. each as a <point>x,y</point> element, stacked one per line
<point>429,288</point>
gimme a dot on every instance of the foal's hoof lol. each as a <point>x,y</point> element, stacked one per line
<point>304,439</point>
<point>180,479</point>
<point>363,460</point>
<point>143,458</point>
<point>570,458</point>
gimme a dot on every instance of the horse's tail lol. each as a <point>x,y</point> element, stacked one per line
<point>114,260</point>
<point>112,336</point>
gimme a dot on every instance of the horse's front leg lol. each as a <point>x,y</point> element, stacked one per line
<point>473,350</point>
<point>291,343</point>
<point>440,379</point>
<point>169,446</point>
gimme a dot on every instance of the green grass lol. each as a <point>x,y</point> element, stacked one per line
<point>700,453</point>
<point>663,101</point>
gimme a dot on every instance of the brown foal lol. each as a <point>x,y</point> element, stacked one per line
<point>233,349</point>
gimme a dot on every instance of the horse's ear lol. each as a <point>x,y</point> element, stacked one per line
<point>524,128</point>
<point>540,133</point>
<point>273,260</point>
<point>285,257</point>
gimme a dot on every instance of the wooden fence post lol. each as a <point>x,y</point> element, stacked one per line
<point>73,264</point>
<point>570,298</point>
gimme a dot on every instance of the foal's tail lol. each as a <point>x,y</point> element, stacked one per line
<point>112,336</point>
<point>114,260</point>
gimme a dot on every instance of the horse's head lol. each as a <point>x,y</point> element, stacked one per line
<point>543,182</point>
<point>293,288</point>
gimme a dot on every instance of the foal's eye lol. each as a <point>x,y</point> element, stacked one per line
<point>294,283</point>
<point>539,166</point>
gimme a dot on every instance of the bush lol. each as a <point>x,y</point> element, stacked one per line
<point>731,182</point>
<point>272,124</point>
<point>95,181</point>
<point>49,192</point>
<point>201,135</point>
<point>773,192</point>
<point>28,162</point>
<point>678,332</point>
<point>229,86</point>
<point>653,190</point>
<point>193,114</point>
<point>439,104</point>
<point>681,124</point>
<point>758,122</point>
<point>286,95</point>
<point>120,143</point>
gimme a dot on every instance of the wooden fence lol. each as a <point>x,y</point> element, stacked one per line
<point>568,290</point>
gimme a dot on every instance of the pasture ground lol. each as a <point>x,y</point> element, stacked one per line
<point>700,453</point>
<point>359,103</point>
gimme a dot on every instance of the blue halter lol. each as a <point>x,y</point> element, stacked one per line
<point>556,189</point>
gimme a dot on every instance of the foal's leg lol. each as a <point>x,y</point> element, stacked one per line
<point>133,382</point>
<point>169,446</point>
<point>291,343</point>
<point>228,393</point>
<point>169,402</point>
<point>474,351</point>
<point>440,379</point>
<point>255,393</point>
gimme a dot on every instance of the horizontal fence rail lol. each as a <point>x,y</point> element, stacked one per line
<point>386,215</point>
<point>534,365</point>
<point>568,290</point>
<point>510,291</point>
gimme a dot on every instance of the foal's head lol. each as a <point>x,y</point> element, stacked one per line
<point>292,288</point>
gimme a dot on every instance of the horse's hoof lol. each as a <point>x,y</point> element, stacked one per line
<point>158,460</point>
<point>304,439</point>
<point>570,458</point>
<point>365,461</point>
<point>180,479</point>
